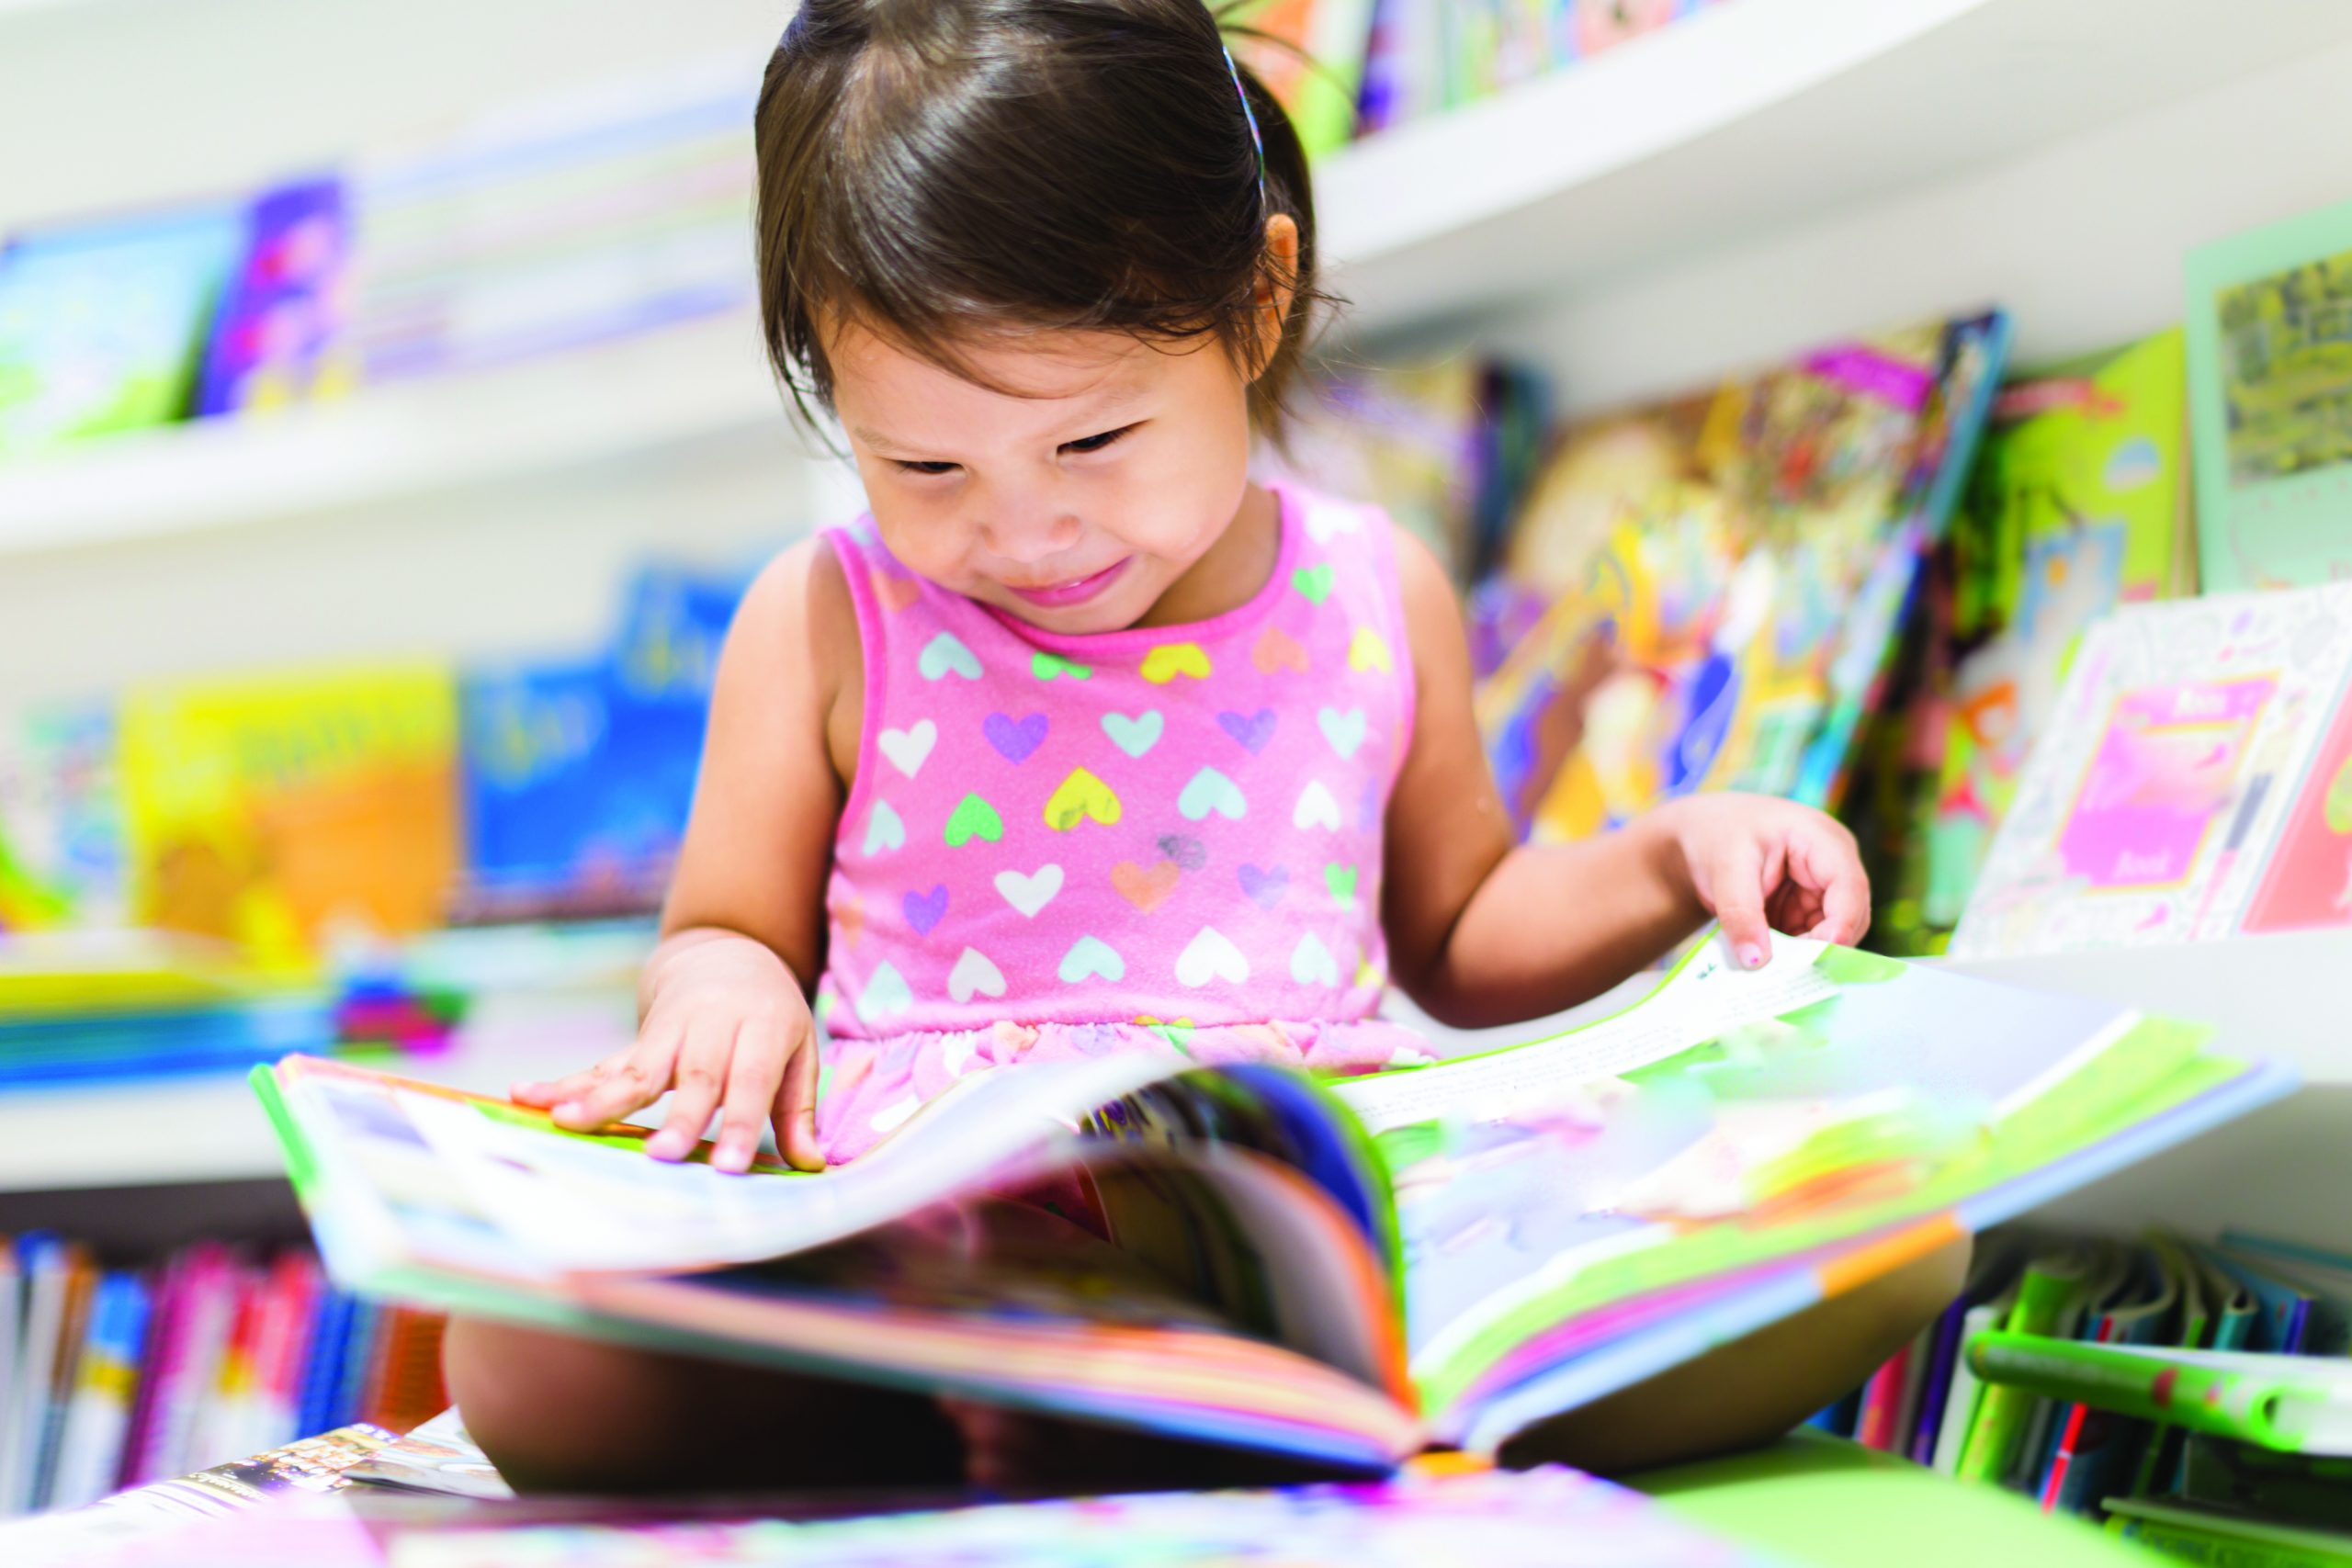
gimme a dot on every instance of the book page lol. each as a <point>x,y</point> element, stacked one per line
<point>432,1179</point>
<point>1706,997</point>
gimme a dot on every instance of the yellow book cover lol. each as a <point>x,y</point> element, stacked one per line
<point>274,810</point>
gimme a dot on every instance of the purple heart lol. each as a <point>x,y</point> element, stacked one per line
<point>924,910</point>
<point>1253,730</point>
<point>1187,853</point>
<point>1265,888</point>
<point>1014,740</point>
<point>1368,808</point>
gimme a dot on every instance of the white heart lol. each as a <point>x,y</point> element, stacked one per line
<point>1031,893</point>
<point>893,1116</point>
<point>1209,956</point>
<point>958,1049</point>
<point>1312,965</point>
<point>884,830</point>
<point>1323,521</point>
<point>1316,808</point>
<point>974,975</point>
<point>907,748</point>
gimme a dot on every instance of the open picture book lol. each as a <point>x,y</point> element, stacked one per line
<point>1349,1270</point>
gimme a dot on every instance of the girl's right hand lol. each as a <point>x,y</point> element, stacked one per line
<point>729,1030</point>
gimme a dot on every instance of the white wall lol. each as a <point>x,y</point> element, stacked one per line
<point>2082,241</point>
<point>112,102</point>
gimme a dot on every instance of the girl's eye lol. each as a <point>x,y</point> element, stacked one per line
<point>923,467</point>
<point>1096,442</point>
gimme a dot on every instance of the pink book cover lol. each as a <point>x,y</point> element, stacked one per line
<point>283,1342</point>
<point>2308,882</point>
<point>188,1363</point>
<point>1881,1401</point>
<point>167,1322</point>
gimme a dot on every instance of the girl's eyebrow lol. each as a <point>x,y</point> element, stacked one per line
<point>1101,415</point>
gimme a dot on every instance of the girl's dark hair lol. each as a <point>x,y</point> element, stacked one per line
<point>926,165</point>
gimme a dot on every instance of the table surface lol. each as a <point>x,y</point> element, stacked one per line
<point>1826,1503</point>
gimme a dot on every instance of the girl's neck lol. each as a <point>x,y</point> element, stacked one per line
<point>1232,572</point>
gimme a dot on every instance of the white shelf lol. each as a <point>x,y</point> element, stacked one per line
<point>2267,996</point>
<point>1751,118</point>
<point>1745,119</point>
<point>629,397</point>
<point>211,1128</point>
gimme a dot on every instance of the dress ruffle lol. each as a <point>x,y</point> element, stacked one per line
<point>870,1087</point>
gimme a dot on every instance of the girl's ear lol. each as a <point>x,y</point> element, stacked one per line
<point>1277,284</point>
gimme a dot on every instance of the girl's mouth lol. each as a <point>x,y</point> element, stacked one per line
<point>1077,590</point>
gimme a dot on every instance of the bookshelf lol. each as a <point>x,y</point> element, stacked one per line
<point>206,1129</point>
<point>632,398</point>
<point>1745,121</point>
<point>1530,215</point>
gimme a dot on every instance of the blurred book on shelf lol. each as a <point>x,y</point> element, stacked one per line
<point>218,872</point>
<point>104,324</point>
<point>2192,783</point>
<point>2078,503</point>
<point>549,225</point>
<point>1425,57</point>
<point>2269,323</point>
<point>1445,446</point>
<point>554,224</point>
<point>1716,584</point>
<point>120,1376</point>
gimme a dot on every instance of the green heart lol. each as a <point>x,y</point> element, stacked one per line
<point>973,818</point>
<point>1315,581</point>
<point>1176,1031</point>
<point>1045,666</point>
<point>1341,881</point>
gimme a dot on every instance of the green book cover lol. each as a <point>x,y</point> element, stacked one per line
<point>2048,1295</point>
<point>2271,402</point>
<point>2226,1541</point>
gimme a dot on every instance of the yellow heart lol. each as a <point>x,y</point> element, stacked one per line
<point>1080,796</point>
<point>1164,663</point>
<point>1366,651</point>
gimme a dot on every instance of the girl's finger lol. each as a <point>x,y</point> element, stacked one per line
<point>1834,870</point>
<point>753,1074</point>
<point>796,1107</point>
<point>700,1074</point>
<point>638,1081</point>
<point>1737,883</point>
<point>571,1086</point>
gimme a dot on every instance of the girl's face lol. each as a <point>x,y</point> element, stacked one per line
<point>1070,481</point>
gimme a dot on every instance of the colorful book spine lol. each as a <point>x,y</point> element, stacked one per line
<point>119,1378</point>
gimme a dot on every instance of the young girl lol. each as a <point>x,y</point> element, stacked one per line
<point>1082,742</point>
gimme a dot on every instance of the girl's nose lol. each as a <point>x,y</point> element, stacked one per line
<point>1028,533</point>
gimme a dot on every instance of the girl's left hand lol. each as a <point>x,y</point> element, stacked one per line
<point>1760,864</point>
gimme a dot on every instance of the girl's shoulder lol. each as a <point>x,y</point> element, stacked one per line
<point>797,629</point>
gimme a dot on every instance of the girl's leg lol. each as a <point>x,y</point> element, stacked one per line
<point>559,1414</point>
<point>1752,1389</point>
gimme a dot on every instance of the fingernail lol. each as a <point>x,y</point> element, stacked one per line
<point>666,1145</point>
<point>1750,955</point>
<point>568,1111</point>
<point>733,1157</point>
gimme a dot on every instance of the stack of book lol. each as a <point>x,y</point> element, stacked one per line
<point>116,1377</point>
<point>2184,1393</point>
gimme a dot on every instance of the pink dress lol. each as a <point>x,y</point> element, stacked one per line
<point>1163,839</point>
